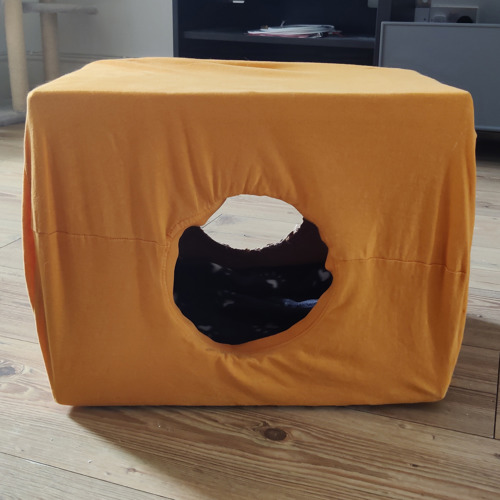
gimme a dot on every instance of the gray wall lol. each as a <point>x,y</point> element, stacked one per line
<point>488,10</point>
<point>122,28</point>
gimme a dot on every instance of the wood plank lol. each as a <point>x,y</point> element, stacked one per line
<point>261,207</point>
<point>461,410</point>
<point>248,232</point>
<point>11,177</point>
<point>10,208</point>
<point>11,255</point>
<point>486,230</point>
<point>25,479</point>
<point>485,280</point>
<point>481,333</point>
<point>470,404</point>
<point>249,242</point>
<point>11,142</point>
<point>487,187</point>
<point>477,370</point>
<point>484,304</point>
<point>487,180</point>
<point>15,309</point>
<point>497,425</point>
<point>11,168</point>
<point>487,168</point>
<point>12,133</point>
<point>265,453</point>
<point>483,319</point>
<point>251,222</point>
<point>488,202</point>
<point>485,258</point>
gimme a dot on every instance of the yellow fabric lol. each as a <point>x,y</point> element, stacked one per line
<point>122,156</point>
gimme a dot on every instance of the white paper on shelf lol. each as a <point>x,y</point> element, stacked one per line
<point>295,30</point>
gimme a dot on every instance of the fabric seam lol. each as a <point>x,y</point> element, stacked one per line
<point>430,264</point>
<point>85,235</point>
<point>169,237</point>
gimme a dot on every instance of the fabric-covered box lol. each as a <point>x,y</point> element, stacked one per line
<point>123,156</point>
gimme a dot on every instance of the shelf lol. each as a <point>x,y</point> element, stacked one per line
<point>356,42</point>
<point>217,29</point>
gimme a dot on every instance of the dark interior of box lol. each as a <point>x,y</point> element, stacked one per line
<point>235,296</point>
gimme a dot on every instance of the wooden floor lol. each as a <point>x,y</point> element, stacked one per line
<point>445,450</point>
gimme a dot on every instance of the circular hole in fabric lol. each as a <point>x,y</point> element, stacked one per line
<point>255,269</point>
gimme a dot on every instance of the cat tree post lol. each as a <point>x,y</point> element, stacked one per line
<point>48,24</point>
<point>48,10</point>
<point>16,52</point>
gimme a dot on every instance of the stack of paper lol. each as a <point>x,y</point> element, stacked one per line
<point>296,30</point>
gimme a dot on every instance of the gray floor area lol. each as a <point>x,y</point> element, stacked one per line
<point>8,116</point>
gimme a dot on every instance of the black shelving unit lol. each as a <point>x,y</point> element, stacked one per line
<point>218,29</point>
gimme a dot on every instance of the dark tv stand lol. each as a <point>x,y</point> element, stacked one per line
<point>217,29</point>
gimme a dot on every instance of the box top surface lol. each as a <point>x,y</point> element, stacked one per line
<point>192,76</point>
